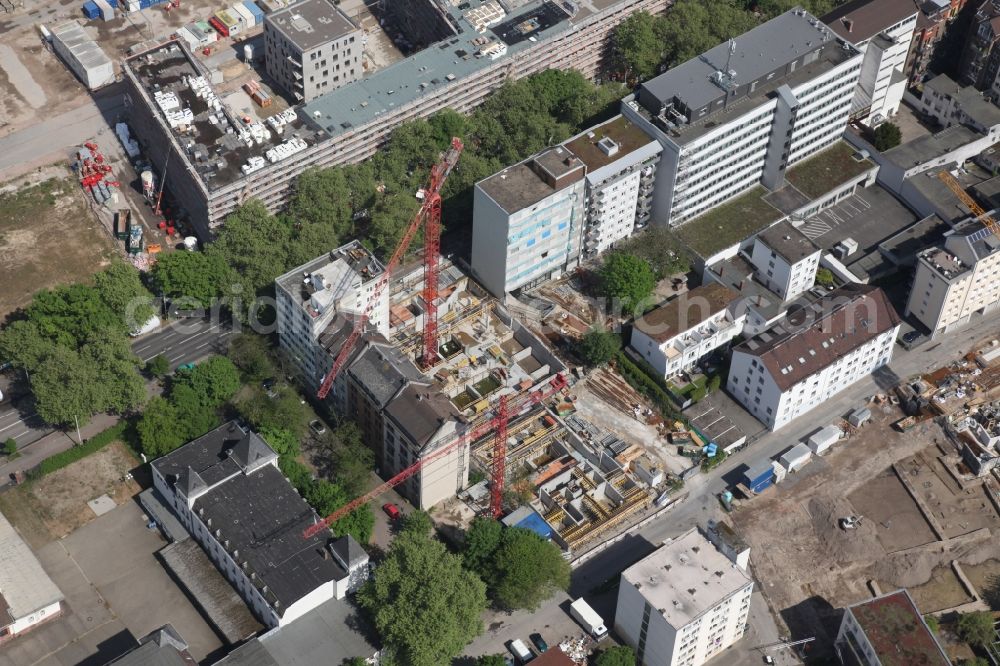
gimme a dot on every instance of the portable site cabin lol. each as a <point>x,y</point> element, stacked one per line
<point>82,55</point>
<point>796,457</point>
<point>824,439</point>
<point>759,477</point>
<point>859,417</point>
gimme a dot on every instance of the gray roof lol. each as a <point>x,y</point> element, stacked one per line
<point>349,550</point>
<point>263,518</point>
<point>420,411</point>
<point>863,19</point>
<point>161,647</point>
<point>930,146</point>
<point>381,370</point>
<point>755,54</point>
<point>788,242</point>
<point>311,23</point>
<point>327,635</point>
<point>24,585</point>
<point>207,460</point>
<point>970,101</point>
<point>522,185</point>
<point>83,48</point>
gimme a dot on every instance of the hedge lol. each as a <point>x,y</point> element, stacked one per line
<point>646,385</point>
<point>92,445</point>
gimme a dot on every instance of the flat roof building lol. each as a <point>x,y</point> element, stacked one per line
<point>741,113</point>
<point>311,47</point>
<point>888,631</point>
<point>683,604</point>
<point>28,596</point>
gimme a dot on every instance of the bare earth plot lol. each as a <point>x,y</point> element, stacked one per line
<point>884,502</point>
<point>48,236</point>
<point>985,577</point>
<point>943,590</point>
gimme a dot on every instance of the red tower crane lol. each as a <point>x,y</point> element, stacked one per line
<point>498,422</point>
<point>430,211</point>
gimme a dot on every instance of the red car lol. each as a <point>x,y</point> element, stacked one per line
<point>391,510</point>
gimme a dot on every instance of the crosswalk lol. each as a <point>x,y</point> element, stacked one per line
<point>823,222</point>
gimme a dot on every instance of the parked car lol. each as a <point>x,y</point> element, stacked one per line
<point>268,386</point>
<point>392,510</point>
<point>521,651</point>
<point>317,426</point>
<point>539,642</point>
<point>911,337</point>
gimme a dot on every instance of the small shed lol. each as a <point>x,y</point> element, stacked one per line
<point>824,439</point>
<point>796,457</point>
<point>759,477</point>
<point>859,417</point>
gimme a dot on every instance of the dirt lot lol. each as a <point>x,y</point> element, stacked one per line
<point>56,505</point>
<point>48,236</point>
<point>985,577</point>
<point>809,567</point>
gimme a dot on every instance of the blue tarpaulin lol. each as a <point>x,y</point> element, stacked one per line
<point>536,524</point>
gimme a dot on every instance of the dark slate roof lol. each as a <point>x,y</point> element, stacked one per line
<point>263,518</point>
<point>252,451</point>
<point>863,19</point>
<point>349,550</point>
<point>816,336</point>
<point>420,411</point>
<point>162,647</point>
<point>207,460</point>
<point>382,370</point>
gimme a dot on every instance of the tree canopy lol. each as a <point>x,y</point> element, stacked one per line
<point>619,655</point>
<point>887,135</point>
<point>197,278</point>
<point>976,628</point>
<point>627,278</point>
<point>598,346</point>
<point>527,569</point>
<point>481,540</point>
<point>424,604</point>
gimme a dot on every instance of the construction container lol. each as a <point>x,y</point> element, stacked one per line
<point>227,19</point>
<point>824,439</point>
<point>759,477</point>
<point>91,10</point>
<point>859,417</point>
<point>244,16</point>
<point>107,11</point>
<point>219,26</point>
<point>82,55</point>
<point>796,457</point>
<point>257,12</point>
<point>123,220</point>
<point>188,38</point>
<point>988,354</point>
<point>204,31</point>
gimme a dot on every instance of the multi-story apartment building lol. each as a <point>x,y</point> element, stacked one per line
<point>957,280</point>
<point>228,493</point>
<point>888,630</point>
<point>951,104</point>
<point>349,124</point>
<point>815,353</point>
<point>933,19</point>
<point>311,48</point>
<point>675,336</point>
<point>785,260</point>
<point>621,169</point>
<point>683,604</point>
<point>528,221</point>
<point>743,112</point>
<point>325,292</point>
<point>883,31</point>
<point>980,61</point>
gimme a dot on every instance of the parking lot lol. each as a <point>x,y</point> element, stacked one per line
<point>103,612</point>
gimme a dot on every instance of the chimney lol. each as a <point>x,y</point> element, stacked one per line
<point>849,24</point>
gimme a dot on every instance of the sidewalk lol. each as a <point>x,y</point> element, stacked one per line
<point>55,442</point>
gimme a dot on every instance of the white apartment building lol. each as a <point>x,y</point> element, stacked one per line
<point>228,493</point>
<point>815,353</point>
<point>528,221</point>
<point>311,296</point>
<point>312,48</point>
<point>743,112</point>
<point>883,31</point>
<point>28,596</point>
<point>621,164</point>
<point>957,280</point>
<point>683,604</point>
<point>951,104</point>
<point>675,336</point>
<point>888,630</point>
<point>785,260</point>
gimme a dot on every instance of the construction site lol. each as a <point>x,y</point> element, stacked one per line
<point>907,499</point>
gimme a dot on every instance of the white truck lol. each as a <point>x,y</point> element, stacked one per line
<point>586,616</point>
<point>521,651</point>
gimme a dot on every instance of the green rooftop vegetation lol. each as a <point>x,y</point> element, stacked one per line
<point>729,223</point>
<point>827,170</point>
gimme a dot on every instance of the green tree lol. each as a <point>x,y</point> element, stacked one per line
<point>424,604</point>
<point>692,27</point>
<point>214,381</point>
<point>121,289</point>
<point>284,411</point>
<point>824,277</point>
<point>353,462</point>
<point>976,628</point>
<point>64,385</point>
<point>481,541</point>
<point>195,416</point>
<point>254,244</point>
<point>627,278</point>
<point>22,343</point>
<point>661,249</point>
<point>714,383</point>
<point>10,447</point>
<point>887,135</point>
<point>158,366</point>
<point>418,522</point>
<point>120,387</point>
<point>355,661</point>
<point>160,429</point>
<point>976,661</point>
<point>637,47</point>
<point>284,442</point>
<point>598,346</point>
<point>619,655</point>
<point>491,660</point>
<point>527,570</point>
<point>932,623</point>
<point>250,353</point>
<point>197,277</point>
<point>73,315</point>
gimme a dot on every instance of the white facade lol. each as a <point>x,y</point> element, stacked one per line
<point>886,630</point>
<point>708,157</point>
<point>83,55</point>
<point>675,336</point>
<point>785,260</point>
<point>528,222</point>
<point>667,625</point>
<point>883,81</point>
<point>309,298</point>
<point>786,371</point>
<point>954,282</point>
<point>29,596</point>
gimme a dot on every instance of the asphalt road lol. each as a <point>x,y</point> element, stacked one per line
<point>183,341</point>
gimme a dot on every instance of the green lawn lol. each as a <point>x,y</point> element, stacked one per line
<point>729,223</point>
<point>827,170</point>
